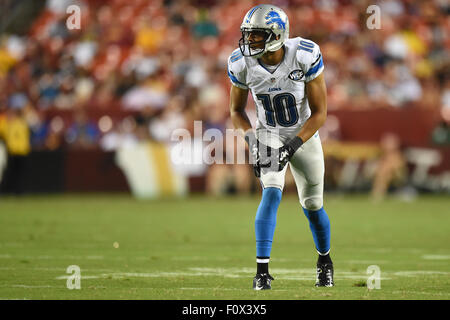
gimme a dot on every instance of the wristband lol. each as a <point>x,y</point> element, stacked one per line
<point>295,143</point>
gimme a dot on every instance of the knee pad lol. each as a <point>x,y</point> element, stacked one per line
<point>313,204</point>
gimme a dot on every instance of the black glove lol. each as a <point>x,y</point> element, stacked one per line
<point>286,152</point>
<point>254,147</point>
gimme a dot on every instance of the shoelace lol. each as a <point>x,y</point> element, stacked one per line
<point>324,275</point>
<point>264,278</point>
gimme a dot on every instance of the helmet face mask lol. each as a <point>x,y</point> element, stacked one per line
<point>264,28</point>
<point>251,48</point>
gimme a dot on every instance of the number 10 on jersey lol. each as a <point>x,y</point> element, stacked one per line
<point>281,109</point>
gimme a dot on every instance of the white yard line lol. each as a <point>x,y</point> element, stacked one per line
<point>415,273</point>
<point>61,269</point>
<point>436,257</point>
<point>203,258</point>
<point>422,292</point>
<point>281,274</point>
<point>25,286</point>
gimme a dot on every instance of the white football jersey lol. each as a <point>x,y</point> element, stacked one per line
<point>280,97</point>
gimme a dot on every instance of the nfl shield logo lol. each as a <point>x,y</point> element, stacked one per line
<point>272,80</point>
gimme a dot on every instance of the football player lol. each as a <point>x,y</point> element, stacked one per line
<point>285,77</point>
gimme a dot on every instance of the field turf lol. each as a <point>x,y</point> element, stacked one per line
<point>201,248</point>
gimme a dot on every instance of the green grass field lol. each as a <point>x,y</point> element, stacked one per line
<point>203,248</point>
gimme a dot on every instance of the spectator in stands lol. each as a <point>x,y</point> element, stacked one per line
<point>15,133</point>
<point>390,168</point>
<point>140,59</point>
<point>83,133</point>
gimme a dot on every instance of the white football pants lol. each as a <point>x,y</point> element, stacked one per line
<point>307,167</point>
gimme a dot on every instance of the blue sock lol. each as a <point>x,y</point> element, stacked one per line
<point>320,228</point>
<point>265,221</point>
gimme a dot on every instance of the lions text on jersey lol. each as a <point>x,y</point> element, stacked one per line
<point>280,97</point>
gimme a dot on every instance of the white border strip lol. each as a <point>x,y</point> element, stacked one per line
<point>324,254</point>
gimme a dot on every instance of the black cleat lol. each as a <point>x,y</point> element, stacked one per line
<point>262,281</point>
<point>324,275</point>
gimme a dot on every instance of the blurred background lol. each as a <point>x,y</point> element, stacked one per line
<point>92,109</point>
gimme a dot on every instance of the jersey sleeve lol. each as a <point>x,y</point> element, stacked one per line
<point>310,59</point>
<point>237,70</point>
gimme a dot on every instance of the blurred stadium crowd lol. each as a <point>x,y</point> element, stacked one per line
<point>156,65</point>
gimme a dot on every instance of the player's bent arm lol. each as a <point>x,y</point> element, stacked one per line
<point>316,92</point>
<point>238,102</point>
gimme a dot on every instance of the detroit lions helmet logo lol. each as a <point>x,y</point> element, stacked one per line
<point>274,17</point>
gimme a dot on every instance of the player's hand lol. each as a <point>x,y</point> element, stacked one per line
<point>286,152</point>
<point>255,147</point>
<point>254,153</point>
